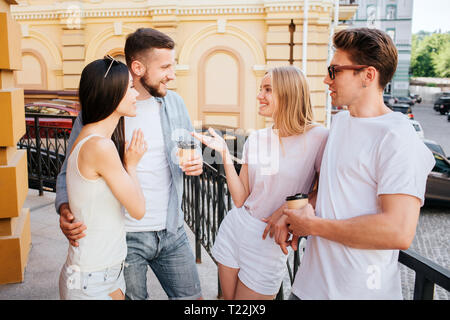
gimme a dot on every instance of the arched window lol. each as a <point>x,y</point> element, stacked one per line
<point>34,71</point>
<point>220,87</point>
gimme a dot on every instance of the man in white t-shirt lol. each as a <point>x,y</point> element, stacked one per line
<point>372,181</point>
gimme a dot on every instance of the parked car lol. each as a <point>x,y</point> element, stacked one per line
<point>69,103</point>
<point>438,182</point>
<point>338,108</point>
<point>448,117</point>
<point>51,107</point>
<point>442,94</point>
<point>417,98</point>
<point>405,100</point>
<point>389,100</point>
<point>403,108</point>
<point>51,126</point>
<point>442,104</point>
<point>434,146</point>
<point>418,128</point>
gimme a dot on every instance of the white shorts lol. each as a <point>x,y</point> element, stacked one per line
<point>77,285</point>
<point>239,245</point>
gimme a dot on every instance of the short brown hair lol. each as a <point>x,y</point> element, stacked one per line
<point>370,47</point>
<point>144,39</point>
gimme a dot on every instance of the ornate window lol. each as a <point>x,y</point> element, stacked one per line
<point>391,12</point>
<point>371,13</point>
<point>36,80</point>
<point>391,33</point>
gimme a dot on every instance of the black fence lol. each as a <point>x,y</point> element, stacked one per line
<point>45,140</point>
<point>206,199</point>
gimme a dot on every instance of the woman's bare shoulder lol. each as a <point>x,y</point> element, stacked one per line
<point>99,148</point>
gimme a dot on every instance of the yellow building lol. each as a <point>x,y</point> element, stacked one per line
<point>15,234</point>
<point>223,47</point>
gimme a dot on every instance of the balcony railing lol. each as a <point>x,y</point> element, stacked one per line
<point>206,200</point>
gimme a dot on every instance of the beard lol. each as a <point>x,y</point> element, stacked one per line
<point>152,89</point>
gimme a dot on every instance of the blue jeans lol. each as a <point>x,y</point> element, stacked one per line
<point>171,259</point>
<point>77,285</point>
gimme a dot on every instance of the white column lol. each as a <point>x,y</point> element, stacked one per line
<point>305,36</point>
<point>330,52</point>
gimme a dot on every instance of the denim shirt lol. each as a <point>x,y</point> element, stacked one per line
<point>175,124</point>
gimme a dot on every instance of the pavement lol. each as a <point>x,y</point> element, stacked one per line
<point>49,251</point>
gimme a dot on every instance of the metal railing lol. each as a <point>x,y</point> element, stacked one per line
<point>206,200</point>
<point>428,274</point>
<point>46,144</point>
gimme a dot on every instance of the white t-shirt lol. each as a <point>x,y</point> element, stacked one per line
<point>364,158</point>
<point>276,171</point>
<point>153,169</point>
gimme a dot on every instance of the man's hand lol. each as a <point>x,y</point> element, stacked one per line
<point>282,234</point>
<point>272,220</point>
<point>278,227</point>
<point>193,167</point>
<point>72,231</point>
<point>300,221</point>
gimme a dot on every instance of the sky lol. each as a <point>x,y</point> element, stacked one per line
<point>431,15</point>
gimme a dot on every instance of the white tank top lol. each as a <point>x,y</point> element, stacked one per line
<point>92,202</point>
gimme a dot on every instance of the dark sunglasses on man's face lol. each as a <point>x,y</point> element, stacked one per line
<point>332,69</point>
<point>108,57</point>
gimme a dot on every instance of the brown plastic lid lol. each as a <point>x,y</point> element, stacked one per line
<point>298,196</point>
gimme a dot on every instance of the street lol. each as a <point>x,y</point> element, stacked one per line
<point>435,126</point>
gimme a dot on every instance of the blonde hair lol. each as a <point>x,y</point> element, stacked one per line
<point>293,113</point>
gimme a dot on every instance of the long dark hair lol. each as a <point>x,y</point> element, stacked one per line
<point>103,85</point>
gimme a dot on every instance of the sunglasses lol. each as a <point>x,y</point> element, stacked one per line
<point>112,62</point>
<point>332,69</point>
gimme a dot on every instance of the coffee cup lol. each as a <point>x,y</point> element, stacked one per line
<point>297,201</point>
<point>186,151</point>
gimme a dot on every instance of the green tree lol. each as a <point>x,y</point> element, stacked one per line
<point>429,54</point>
<point>442,63</point>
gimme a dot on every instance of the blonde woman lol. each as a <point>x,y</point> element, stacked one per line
<point>278,161</point>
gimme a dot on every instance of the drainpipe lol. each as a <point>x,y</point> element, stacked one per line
<point>330,51</point>
<point>291,42</point>
<point>305,36</point>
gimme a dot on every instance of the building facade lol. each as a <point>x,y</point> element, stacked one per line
<point>223,48</point>
<point>395,18</point>
<point>15,232</point>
